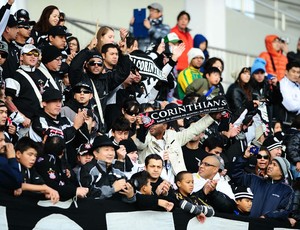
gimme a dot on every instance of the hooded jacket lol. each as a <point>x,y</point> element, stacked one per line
<point>279,59</point>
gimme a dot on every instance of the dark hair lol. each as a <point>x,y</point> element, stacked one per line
<point>105,47</point>
<point>101,32</point>
<point>183,13</point>
<point>209,63</point>
<point>139,179</point>
<point>296,122</point>
<point>130,41</point>
<point>26,143</point>
<point>43,24</point>
<point>120,124</point>
<point>191,98</point>
<point>131,106</point>
<point>212,142</point>
<point>54,145</point>
<point>145,106</point>
<point>180,175</point>
<point>290,65</point>
<point>213,70</point>
<point>246,87</point>
<point>153,156</point>
<point>69,39</point>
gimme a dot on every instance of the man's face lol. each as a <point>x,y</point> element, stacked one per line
<point>83,96</point>
<point>105,153</point>
<point>27,158</point>
<point>259,76</point>
<point>209,167</point>
<point>24,31</point>
<point>154,168</point>
<point>274,171</point>
<point>120,135</point>
<point>215,151</point>
<point>30,59</point>
<point>154,14</point>
<point>59,41</point>
<point>55,64</point>
<point>197,62</point>
<point>157,130</point>
<point>111,57</point>
<point>2,143</point>
<point>276,152</point>
<point>12,32</point>
<point>52,108</point>
<point>3,115</point>
<point>293,74</point>
<point>95,65</point>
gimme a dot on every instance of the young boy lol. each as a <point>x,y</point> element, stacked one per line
<point>26,154</point>
<point>84,155</point>
<point>243,198</point>
<point>189,201</point>
<point>206,86</point>
<point>145,199</point>
<point>100,175</point>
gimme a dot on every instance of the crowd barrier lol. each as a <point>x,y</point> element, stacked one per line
<point>29,212</point>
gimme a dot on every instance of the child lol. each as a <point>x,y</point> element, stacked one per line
<point>26,154</point>
<point>191,202</point>
<point>84,155</point>
<point>144,196</point>
<point>243,198</point>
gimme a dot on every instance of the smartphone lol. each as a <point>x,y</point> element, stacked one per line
<point>254,150</point>
<point>139,30</point>
<point>270,76</point>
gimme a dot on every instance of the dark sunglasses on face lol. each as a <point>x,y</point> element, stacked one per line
<point>3,55</point>
<point>132,113</point>
<point>36,54</point>
<point>93,63</point>
<point>27,27</point>
<point>266,157</point>
<point>82,91</point>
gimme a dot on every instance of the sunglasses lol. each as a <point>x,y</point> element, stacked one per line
<point>82,91</point>
<point>3,55</point>
<point>131,113</point>
<point>36,54</point>
<point>93,63</point>
<point>266,157</point>
<point>26,27</point>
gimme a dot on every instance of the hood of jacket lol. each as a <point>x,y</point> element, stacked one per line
<point>268,42</point>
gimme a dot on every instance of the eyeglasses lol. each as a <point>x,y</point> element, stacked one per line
<point>26,27</point>
<point>266,157</point>
<point>93,63</point>
<point>205,164</point>
<point>3,55</point>
<point>36,54</point>
<point>82,91</point>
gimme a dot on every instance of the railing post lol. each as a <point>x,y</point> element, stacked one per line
<point>283,22</point>
<point>276,14</point>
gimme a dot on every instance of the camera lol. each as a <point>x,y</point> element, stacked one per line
<point>254,150</point>
<point>284,40</point>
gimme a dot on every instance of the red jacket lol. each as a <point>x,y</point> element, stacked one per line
<point>279,59</point>
<point>188,41</point>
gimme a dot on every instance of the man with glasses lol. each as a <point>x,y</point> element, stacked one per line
<point>87,66</point>
<point>25,26</point>
<point>211,186</point>
<point>24,89</point>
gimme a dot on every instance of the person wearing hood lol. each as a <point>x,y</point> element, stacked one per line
<point>183,32</point>
<point>275,60</point>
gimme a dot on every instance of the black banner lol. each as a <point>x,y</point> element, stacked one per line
<point>217,104</point>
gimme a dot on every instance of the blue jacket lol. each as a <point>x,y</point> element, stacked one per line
<point>10,176</point>
<point>271,198</point>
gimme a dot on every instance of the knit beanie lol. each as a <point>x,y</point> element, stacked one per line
<point>272,142</point>
<point>258,64</point>
<point>49,53</point>
<point>241,192</point>
<point>195,52</point>
<point>284,165</point>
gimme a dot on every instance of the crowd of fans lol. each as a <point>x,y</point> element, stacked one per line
<point>72,119</point>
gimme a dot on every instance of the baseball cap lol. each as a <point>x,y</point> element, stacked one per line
<point>84,149</point>
<point>101,141</point>
<point>29,47</point>
<point>12,21</point>
<point>156,6</point>
<point>23,17</point>
<point>59,30</point>
<point>51,94</point>
<point>173,38</point>
<point>3,47</point>
<point>82,85</point>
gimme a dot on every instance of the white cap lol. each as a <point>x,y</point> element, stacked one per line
<point>195,52</point>
<point>29,47</point>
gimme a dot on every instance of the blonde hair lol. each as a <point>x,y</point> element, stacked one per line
<point>101,32</point>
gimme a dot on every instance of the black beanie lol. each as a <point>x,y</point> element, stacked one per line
<point>49,53</point>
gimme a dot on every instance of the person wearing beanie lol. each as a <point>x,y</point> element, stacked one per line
<point>243,199</point>
<point>188,75</point>
<point>275,59</point>
<point>24,89</point>
<point>273,197</point>
<point>183,32</point>
<point>274,146</point>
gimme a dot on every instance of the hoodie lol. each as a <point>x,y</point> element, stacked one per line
<point>279,59</point>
